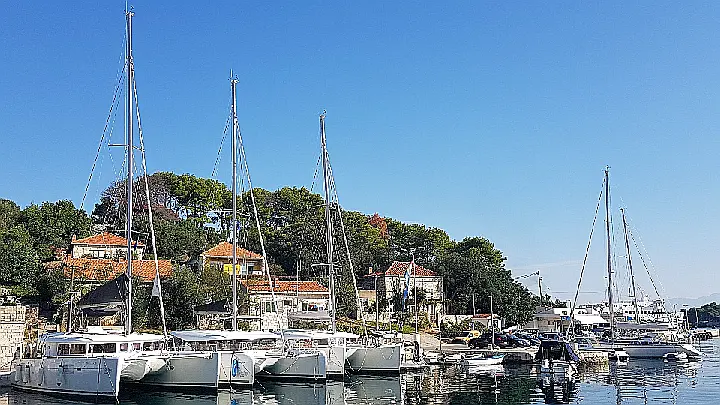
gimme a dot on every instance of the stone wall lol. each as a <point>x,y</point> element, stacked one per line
<point>12,332</point>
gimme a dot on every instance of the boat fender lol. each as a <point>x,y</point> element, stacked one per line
<point>235,367</point>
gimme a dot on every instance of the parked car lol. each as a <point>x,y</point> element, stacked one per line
<point>550,336</point>
<point>482,342</point>
<point>534,341</point>
<point>516,341</point>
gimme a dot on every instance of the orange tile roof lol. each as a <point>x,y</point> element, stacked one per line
<point>108,269</point>
<point>284,286</point>
<point>104,238</point>
<point>224,249</point>
<point>399,269</point>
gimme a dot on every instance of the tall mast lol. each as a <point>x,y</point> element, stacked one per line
<point>328,221</point>
<point>609,253</point>
<point>233,82</point>
<point>629,258</point>
<point>128,223</point>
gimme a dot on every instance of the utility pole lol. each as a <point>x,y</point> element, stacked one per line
<point>474,312</point>
<point>492,323</point>
<point>377,305</point>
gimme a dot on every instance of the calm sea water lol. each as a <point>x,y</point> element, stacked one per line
<point>638,382</point>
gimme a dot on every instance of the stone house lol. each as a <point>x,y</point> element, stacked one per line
<point>249,263</point>
<point>380,289</point>
<point>100,258</point>
<point>104,246</point>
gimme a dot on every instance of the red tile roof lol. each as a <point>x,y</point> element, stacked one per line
<point>108,269</point>
<point>104,238</point>
<point>284,286</point>
<point>224,249</point>
<point>399,268</point>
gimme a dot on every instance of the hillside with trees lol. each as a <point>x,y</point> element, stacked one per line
<point>191,214</point>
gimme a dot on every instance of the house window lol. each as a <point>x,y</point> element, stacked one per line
<point>250,268</point>
<point>98,254</point>
<point>123,347</point>
<point>270,307</point>
<point>63,349</point>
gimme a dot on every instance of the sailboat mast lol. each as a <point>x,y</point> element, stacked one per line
<point>609,252</point>
<point>629,258</point>
<point>128,222</point>
<point>233,82</point>
<point>328,222</point>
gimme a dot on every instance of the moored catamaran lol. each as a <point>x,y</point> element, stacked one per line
<point>93,362</point>
<point>245,355</point>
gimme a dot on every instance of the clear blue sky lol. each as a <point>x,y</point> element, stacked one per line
<point>481,118</point>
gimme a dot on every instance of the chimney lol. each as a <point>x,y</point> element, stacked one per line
<point>370,270</point>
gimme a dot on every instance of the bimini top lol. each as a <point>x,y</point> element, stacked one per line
<point>80,337</point>
<point>221,335</point>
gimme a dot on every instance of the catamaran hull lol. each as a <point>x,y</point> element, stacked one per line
<point>236,369</point>
<point>384,359</point>
<point>82,376</point>
<point>187,370</point>
<point>335,361</point>
<point>134,369</point>
<point>304,366</point>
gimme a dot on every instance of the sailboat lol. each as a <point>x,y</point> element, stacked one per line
<point>366,357</point>
<point>635,347</point>
<point>245,355</point>
<point>95,361</point>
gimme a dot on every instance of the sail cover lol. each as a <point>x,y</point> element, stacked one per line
<point>108,299</point>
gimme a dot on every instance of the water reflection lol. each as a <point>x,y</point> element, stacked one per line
<point>638,381</point>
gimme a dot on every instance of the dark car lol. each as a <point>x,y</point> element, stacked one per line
<point>482,342</point>
<point>517,341</point>
<point>532,339</point>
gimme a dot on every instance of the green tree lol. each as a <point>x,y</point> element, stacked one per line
<point>474,267</point>
<point>9,214</point>
<point>52,226</point>
<point>183,240</point>
<point>19,263</point>
<point>181,294</point>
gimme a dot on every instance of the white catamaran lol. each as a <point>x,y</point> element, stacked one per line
<point>367,356</point>
<point>244,355</point>
<point>93,362</point>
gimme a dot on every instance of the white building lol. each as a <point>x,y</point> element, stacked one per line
<point>387,286</point>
